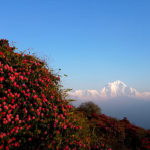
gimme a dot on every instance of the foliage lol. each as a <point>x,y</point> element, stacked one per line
<point>33,110</point>
<point>89,107</point>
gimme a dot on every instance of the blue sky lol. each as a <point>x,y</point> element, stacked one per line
<point>93,42</point>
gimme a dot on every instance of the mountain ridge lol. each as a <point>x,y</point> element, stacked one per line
<point>110,90</point>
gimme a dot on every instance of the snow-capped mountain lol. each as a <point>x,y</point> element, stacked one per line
<point>110,90</point>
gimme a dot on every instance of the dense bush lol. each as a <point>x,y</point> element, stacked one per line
<point>33,111</point>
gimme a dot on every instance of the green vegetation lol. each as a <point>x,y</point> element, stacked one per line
<point>35,115</point>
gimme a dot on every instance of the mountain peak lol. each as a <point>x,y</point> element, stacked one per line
<point>115,88</point>
<point>118,82</point>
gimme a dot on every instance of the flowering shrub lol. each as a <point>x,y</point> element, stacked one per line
<point>33,114</point>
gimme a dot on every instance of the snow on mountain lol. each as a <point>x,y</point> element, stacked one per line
<point>84,94</point>
<point>146,95</point>
<point>110,90</point>
<point>113,89</point>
